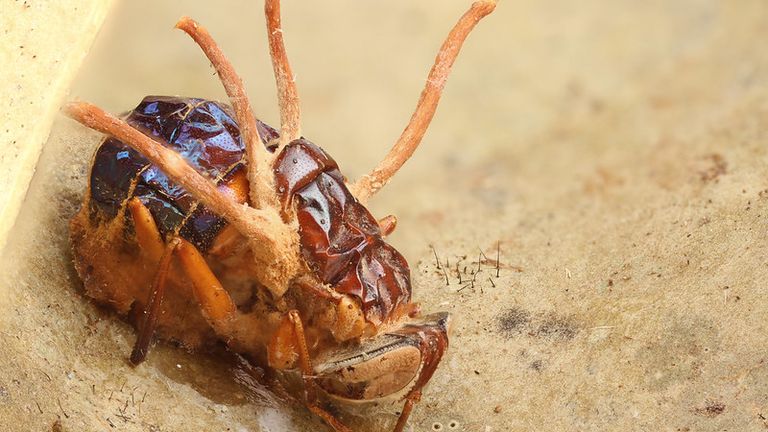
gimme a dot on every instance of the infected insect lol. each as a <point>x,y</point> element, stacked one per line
<point>201,223</point>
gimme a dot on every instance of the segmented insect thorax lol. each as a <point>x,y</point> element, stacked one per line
<point>340,240</point>
<point>204,133</point>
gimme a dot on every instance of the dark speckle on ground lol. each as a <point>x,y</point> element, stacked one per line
<point>515,321</point>
<point>715,166</point>
<point>556,327</point>
<point>710,409</point>
<point>512,321</point>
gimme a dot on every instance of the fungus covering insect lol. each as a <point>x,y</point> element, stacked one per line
<point>201,223</point>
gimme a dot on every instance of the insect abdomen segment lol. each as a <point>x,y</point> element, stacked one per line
<point>205,134</point>
<point>340,240</point>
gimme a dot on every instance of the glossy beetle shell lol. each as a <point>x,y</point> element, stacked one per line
<point>203,132</point>
<point>340,240</point>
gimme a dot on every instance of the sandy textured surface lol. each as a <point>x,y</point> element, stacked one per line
<point>42,45</point>
<point>616,151</point>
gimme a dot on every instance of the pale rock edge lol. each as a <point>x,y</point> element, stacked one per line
<point>44,43</point>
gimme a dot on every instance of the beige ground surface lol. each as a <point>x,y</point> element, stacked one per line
<point>617,152</point>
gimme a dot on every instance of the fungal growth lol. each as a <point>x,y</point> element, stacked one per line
<point>203,224</point>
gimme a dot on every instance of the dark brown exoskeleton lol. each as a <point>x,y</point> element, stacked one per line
<point>201,224</point>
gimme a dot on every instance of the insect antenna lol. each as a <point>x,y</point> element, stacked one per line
<point>287,94</point>
<point>260,177</point>
<point>425,108</point>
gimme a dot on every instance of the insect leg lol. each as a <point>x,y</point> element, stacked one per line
<point>288,342</point>
<point>431,334</point>
<point>387,224</point>
<point>218,308</point>
<point>147,234</point>
<point>241,332</point>
<point>288,96</point>
<point>156,295</point>
<point>425,108</point>
<point>260,174</point>
<point>410,401</point>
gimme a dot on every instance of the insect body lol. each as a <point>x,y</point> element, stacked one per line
<point>340,240</point>
<point>205,134</point>
<point>202,224</point>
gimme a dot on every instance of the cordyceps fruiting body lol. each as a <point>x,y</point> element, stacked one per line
<point>203,224</point>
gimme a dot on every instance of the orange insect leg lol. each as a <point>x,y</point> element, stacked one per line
<point>387,224</point>
<point>147,234</point>
<point>288,343</point>
<point>410,401</point>
<point>215,301</point>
